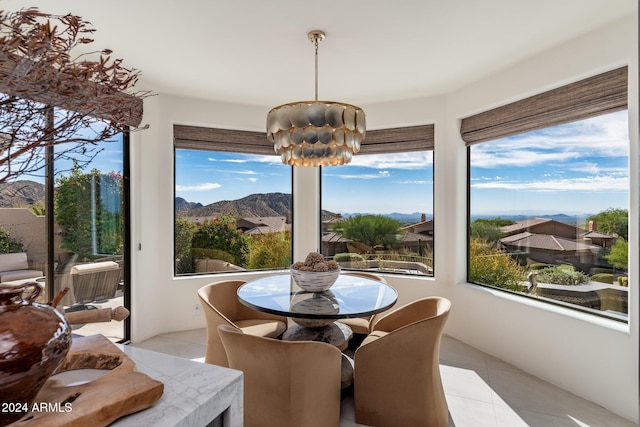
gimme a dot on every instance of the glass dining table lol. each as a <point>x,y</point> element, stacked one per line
<point>317,314</point>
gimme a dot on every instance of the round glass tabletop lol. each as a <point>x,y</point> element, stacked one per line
<point>350,296</point>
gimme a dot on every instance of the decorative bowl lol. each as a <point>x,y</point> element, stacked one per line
<point>315,281</point>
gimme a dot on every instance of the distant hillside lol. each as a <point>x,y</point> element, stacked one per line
<point>410,218</point>
<point>20,194</point>
<point>183,205</point>
<point>270,204</point>
<point>567,219</point>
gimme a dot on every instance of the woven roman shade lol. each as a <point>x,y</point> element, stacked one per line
<point>397,140</point>
<point>593,96</point>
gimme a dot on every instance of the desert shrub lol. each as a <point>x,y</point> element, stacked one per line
<point>598,270</point>
<point>270,250</point>
<point>539,266</point>
<point>202,253</point>
<point>603,278</point>
<point>186,264</point>
<point>221,234</point>
<point>490,266</point>
<point>184,231</point>
<point>347,256</point>
<point>561,276</point>
<point>9,244</point>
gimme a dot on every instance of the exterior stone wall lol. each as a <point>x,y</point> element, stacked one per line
<point>30,229</point>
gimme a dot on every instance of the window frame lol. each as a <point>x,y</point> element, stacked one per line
<point>394,140</point>
<point>211,139</point>
<point>597,95</point>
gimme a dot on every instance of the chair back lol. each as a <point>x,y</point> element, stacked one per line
<point>218,310</point>
<point>221,306</point>
<point>404,387</point>
<point>286,383</point>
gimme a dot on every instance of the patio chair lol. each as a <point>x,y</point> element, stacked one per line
<point>397,373</point>
<point>361,325</point>
<point>286,383</point>
<point>94,282</point>
<point>220,304</point>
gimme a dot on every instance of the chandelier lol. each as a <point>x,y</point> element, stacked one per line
<point>316,133</point>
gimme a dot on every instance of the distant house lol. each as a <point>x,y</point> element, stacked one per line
<point>423,227</point>
<point>262,224</point>
<point>418,238</point>
<point>553,242</point>
<point>543,226</point>
<point>251,224</point>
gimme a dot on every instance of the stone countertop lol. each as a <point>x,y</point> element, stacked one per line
<point>194,393</point>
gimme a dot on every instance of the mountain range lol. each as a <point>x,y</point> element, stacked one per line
<point>25,193</point>
<point>19,194</point>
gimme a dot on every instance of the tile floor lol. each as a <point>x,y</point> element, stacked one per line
<point>481,390</point>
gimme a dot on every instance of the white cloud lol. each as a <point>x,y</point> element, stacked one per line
<point>253,179</point>
<point>198,187</point>
<point>410,161</point>
<point>417,182</point>
<point>356,176</point>
<point>244,172</point>
<point>602,136</point>
<point>592,183</point>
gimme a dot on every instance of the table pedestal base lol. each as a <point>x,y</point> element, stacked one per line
<point>337,334</point>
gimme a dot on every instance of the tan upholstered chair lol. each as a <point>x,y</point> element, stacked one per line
<point>397,373</point>
<point>360,325</point>
<point>221,306</point>
<point>286,383</point>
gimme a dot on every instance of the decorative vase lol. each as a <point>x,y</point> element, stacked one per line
<point>314,281</point>
<point>34,340</point>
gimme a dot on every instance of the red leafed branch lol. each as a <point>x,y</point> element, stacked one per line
<point>91,93</point>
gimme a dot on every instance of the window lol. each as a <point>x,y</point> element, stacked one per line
<point>232,202</point>
<point>548,207</point>
<point>377,211</point>
<point>84,250</point>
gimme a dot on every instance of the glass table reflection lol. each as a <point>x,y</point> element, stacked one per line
<point>350,296</point>
<point>316,313</point>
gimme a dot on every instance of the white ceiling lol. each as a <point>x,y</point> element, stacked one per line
<point>257,51</point>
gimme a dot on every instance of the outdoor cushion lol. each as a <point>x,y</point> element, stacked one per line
<point>8,276</point>
<point>14,261</point>
<point>94,267</point>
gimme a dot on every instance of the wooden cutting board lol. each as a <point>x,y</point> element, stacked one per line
<point>98,403</point>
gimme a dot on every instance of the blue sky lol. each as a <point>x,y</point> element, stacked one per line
<point>577,168</point>
<point>207,177</point>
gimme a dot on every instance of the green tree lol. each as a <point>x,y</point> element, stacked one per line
<point>88,207</point>
<point>613,221</point>
<point>490,266</point>
<point>184,232</point>
<point>9,244</point>
<point>372,230</point>
<point>619,255</point>
<point>488,229</point>
<point>270,250</point>
<point>222,234</point>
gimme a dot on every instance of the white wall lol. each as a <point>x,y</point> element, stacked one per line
<point>594,358</point>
